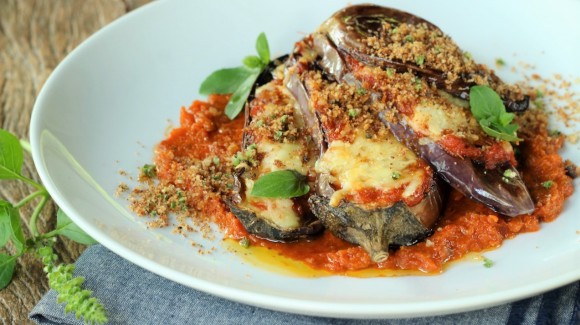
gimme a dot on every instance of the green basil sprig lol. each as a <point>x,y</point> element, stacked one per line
<point>238,81</point>
<point>60,276</point>
<point>281,184</point>
<point>489,110</point>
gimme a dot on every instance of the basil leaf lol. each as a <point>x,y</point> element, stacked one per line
<point>281,184</point>
<point>7,264</point>
<point>66,227</point>
<point>485,102</point>
<point>224,81</point>
<point>489,110</point>
<point>253,62</point>
<point>239,97</point>
<point>5,228</point>
<point>263,48</point>
<point>11,157</point>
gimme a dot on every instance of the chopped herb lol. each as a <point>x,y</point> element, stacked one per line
<point>539,104</point>
<point>216,160</point>
<point>396,175</point>
<point>352,112</point>
<point>148,170</point>
<point>467,55</point>
<point>548,184</point>
<point>437,49</point>
<point>509,173</point>
<point>236,160</point>
<point>361,91</point>
<point>244,242</point>
<point>487,262</point>
<point>489,110</point>
<point>390,72</point>
<point>408,39</point>
<point>420,59</point>
<point>539,93</point>
<point>284,118</point>
<point>278,135</point>
<point>499,62</point>
<point>417,83</point>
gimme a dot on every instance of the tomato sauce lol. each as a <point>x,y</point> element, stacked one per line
<point>465,227</point>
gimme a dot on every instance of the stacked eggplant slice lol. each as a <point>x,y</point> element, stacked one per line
<point>373,108</point>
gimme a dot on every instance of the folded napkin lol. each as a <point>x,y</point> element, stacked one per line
<point>133,295</point>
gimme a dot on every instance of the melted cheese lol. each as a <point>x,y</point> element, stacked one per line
<point>279,156</point>
<point>434,120</point>
<point>370,164</point>
<point>278,211</point>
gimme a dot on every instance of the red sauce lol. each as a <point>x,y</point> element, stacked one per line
<point>466,226</point>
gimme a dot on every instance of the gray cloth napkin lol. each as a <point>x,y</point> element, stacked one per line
<point>133,295</point>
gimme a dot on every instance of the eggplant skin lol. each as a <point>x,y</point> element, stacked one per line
<point>374,230</point>
<point>261,228</point>
<point>509,197</point>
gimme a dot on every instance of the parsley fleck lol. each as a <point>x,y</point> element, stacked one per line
<point>396,175</point>
<point>390,72</point>
<point>499,62</point>
<point>361,91</point>
<point>548,184</point>
<point>408,39</point>
<point>148,170</point>
<point>509,173</point>
<point>244,242</point>
<point>487,262</point>
<point>352,112</point>
<point>420,59</point>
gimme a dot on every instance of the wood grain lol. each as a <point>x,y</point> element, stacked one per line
<point>35,35</point>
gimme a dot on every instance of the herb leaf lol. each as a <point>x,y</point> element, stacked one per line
<point>238,99</point>
<point>489,110</point>
<point>5,227</point>
<point>224,81</point>
<point>281,184</point>
<point>11,218</point>
<point>7,264</point>
<point>263,48</point>
<point>11,157</point>
<point>238,81</point>
<point>67,228</point>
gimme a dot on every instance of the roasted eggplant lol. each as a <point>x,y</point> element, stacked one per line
<point>371,189</point>
<point>423,80</point>
<point>274,139</point>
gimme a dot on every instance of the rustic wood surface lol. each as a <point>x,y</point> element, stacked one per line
<point>35,35</point>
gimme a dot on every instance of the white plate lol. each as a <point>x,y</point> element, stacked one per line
<point>107,104</point>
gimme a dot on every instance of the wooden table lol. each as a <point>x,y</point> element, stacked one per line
<point>35,35</point>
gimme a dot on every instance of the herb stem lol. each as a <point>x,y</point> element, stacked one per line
<point>31,182</point>
<point>30,198</point>
<point>26,145</point>
<point>35,214</point>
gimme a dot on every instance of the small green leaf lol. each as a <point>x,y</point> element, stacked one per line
<point>281,184</point>
<point>67,228</point>
<point>5,228</point>
<point>485,102</point>
<point>11,157</point>
<point>7,264</point>
<point>17,235</point>
<point>506,118</point>
<point>489,110</point>
<point>239,97</point>
<point>224,81</point>
<point>263,48</point>
<point>253,62</point>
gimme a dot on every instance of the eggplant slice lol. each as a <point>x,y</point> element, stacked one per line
<point>274,139</point>
<point>425,106</point>
<point>371,189</point>
<point>382,37</point>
